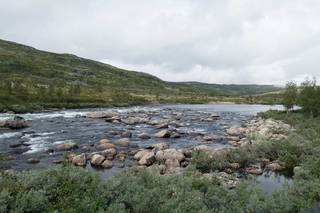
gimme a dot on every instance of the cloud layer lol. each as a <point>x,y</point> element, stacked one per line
<point>215,41</point>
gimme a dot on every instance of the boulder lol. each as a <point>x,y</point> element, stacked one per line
<point>109,154</point>
<point>175,135</point>
<point>147,159</point>
<point>215,115</point>
<point>104,141</point>
<point>97,160</point>
<point>162,126</point>
<point>122,142</point>
<point>236,131</point>
<point>79,160</point>
<point>158,146</point>
<point>140,154</point>
<point>107,164</point>
<point>163,134</point>
<point>100,114</point>
<point>163,155</point>
<point>16,123</point>
<point>202,148</point>
<point>126,134</point>
<point>67,146</point>
<point>33,160</point>
<point>172,163</point>
<point>104,146</point>
<point>144,136</point>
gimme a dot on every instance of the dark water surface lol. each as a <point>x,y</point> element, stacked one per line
<point>49,129</point>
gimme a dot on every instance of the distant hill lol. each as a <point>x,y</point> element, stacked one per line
<point>40,79</point>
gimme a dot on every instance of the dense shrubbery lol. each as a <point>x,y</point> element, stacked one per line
<point>308,98</point>
<point>69,189</point>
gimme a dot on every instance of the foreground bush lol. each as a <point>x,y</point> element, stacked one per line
<point>68,189</point>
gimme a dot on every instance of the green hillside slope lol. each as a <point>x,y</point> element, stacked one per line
<point>30,78</point>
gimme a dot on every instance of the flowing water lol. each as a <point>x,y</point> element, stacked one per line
<point>49,129</point>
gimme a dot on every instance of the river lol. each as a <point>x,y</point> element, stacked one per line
<point>49,129</point>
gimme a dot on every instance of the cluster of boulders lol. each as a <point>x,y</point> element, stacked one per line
<point>257,130</point>
<point>106,152</point>
<point>16,123</point>
<point>161,154</point>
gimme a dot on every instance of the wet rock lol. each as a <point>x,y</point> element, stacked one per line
<point>79,160</point>
<point>33,160</point>
<point>163,134</point>
<point>144,136</point>
<point>107,164</point>
<point>236,131</point>
<point>104,146</point>
<point>15,145</point>
<point>215,115</point>
<point>126,134</point>
<point>67,146</point>
<point>175,135</point>
<point>141,153</point>
<point>100,115</point>
<point>97,160</point>
<point>16,123</point>
<point>158,146</point>
<point>147,159</point>
<point>162,126</point>
<point>104,141</point>
<point>109,154</point>
<point>173,154</point>
<point>122,142</point>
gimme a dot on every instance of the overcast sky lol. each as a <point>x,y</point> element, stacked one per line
<point>214,41</point>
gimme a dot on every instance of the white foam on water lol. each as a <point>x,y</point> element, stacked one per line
<point>38,144</point>
<point>10,134</point>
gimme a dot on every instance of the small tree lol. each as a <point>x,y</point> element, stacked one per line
<point>290,96</point>
<point>308,97</point>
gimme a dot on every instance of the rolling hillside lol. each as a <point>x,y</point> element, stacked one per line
<point>31,78</point>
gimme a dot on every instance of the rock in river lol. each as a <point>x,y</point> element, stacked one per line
<point>147,159</point>
<point>67,146</point>
<point>122,142</point>
<point>97,160</point>
<point>79,160</point>
<point>109,153</point>
<point>163,134</point>
<point>107,164</point>
<point>16,123</point>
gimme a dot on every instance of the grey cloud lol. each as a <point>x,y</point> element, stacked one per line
<point>230,41</point>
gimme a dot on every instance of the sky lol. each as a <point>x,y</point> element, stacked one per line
<point>212,41</point>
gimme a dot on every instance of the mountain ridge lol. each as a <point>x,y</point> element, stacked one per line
<point>37,77</point>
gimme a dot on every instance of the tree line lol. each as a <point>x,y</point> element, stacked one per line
<point>307,96</point>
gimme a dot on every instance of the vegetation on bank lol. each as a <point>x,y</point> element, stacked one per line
<point>307,96</point>
<point>69,189</point>
<point>32,80</point>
